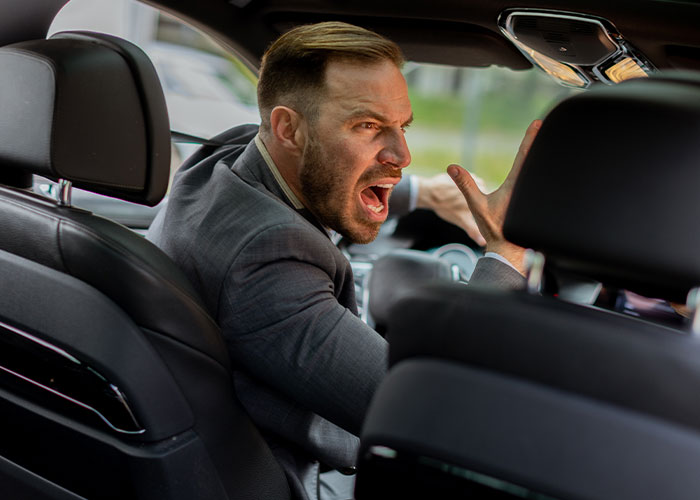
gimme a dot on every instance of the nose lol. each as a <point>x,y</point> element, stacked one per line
<point>395,152</point>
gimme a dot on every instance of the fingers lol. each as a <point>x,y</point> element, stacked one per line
<point>470,227</point>
<point>465,182</point>
<point>480,182</point>
<point>440,194</point>
<point>523,150</point>
<point>488,211</point>
<point>476,200</point>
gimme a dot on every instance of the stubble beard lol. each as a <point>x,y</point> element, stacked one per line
<point>329,197</point>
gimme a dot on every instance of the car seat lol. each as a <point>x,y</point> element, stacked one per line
<point>519,394</point>
<point>114,381</point>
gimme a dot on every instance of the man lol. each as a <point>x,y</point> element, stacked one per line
<point>250,225</point>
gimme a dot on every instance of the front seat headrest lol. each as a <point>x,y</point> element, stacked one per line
<point>88,108</point>
<point>610,187</point>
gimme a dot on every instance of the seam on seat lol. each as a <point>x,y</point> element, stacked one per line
<point>109,243</point>
<point>162,335</point>
<point>115,246</point>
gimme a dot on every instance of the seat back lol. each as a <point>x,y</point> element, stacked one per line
<point>512,394</point>
<point>116,382</point>
<point>616,187</point>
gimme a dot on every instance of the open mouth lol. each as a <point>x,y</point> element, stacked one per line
<point>376,197</point>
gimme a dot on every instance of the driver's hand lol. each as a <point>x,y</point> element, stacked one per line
<point>440,195</point>
<point>489,210</point>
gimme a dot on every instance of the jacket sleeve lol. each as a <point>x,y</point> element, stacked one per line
<point>284,324</point>
<point>496,274</point>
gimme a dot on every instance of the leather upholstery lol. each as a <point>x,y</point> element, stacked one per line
<point>605,356</point>
<point>107,296</point>
<point>492,393</point>
<point>86,108</point>
<point>609,188</point>
<point>129,269</point>
<point>500,437</point>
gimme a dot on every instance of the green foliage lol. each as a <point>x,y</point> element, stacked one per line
<point>490,163</point>
<point>437,111</point>
<point>480,122</point>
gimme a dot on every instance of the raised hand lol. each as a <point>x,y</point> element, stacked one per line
<point>489,210</point>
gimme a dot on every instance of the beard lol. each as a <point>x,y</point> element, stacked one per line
<point>330,195</point>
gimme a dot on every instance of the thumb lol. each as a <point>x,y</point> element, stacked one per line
<point>466,183</point>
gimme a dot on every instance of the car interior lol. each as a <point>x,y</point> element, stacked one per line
<point>115,382</point>
<point>534,387</point>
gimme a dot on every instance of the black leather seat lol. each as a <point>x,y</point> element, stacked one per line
<point>515,395</point>
<point>114,380</point>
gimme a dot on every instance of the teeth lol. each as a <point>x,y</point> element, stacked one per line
<point>385,186</point>
<point>376,208</point>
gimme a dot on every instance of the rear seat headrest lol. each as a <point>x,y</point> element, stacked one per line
<point>610,188</point>
<point>88,108</point>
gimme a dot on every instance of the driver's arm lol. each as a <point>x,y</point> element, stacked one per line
<point>285,326</point>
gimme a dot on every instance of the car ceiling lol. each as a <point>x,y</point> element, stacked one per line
<point>458,32</point>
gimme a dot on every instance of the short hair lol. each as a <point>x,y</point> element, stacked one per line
<point>293,68</point>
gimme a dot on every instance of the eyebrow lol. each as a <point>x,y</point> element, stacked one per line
<point>367,113</point>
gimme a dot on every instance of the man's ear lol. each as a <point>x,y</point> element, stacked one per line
<point>289,129</point>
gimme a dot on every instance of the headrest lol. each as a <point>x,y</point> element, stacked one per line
<point>610,187</point>
<point>88,108</point>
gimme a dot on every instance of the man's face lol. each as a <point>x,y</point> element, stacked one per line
<point>356,148</point>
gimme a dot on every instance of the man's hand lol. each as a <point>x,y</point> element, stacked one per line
<point>440,195</point>
<point>489,210</point>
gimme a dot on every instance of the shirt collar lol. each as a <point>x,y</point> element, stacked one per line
<point>298,205</point>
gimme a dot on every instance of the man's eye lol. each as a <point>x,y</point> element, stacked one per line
<point>369,126</point>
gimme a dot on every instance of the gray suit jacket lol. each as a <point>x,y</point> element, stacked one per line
<point>283,295</point>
